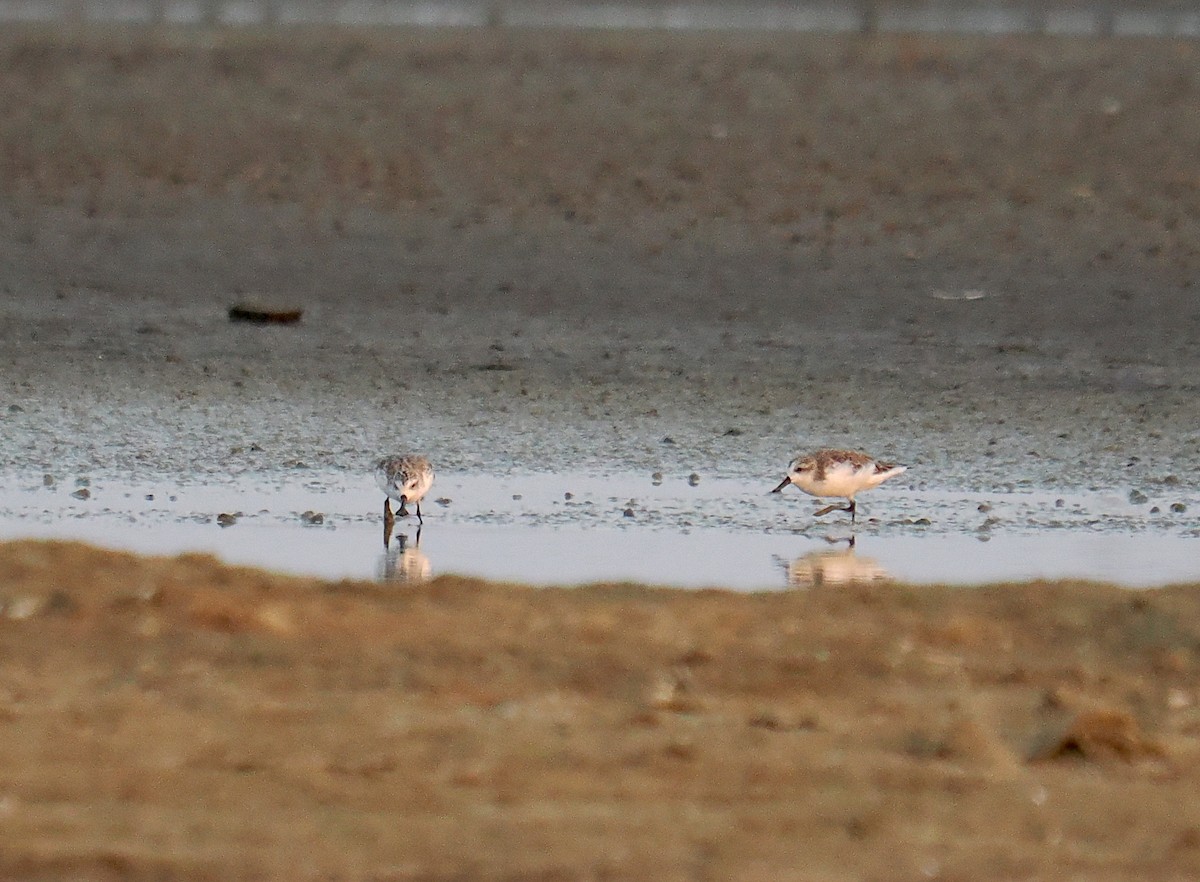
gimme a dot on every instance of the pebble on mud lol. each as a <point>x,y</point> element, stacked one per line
<point>82,493</point>
<point>58,601</point>
<point>23,607</point>
<point>773,721</point>
<point>672,691</point>
<point>1137,497</point>
<point>629,513</point>
<point>965,741</point>
<point>314,518</point>
<point>1178,507</point>
<point>693,479</point>
<point>656,478</point>
<point>1096,734</point>
<point>265,314</point>
<point>225,519</point>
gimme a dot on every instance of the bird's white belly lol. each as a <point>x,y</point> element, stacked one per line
<point>840,481</point>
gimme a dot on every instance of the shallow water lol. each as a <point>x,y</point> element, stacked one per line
<point>570,529</point>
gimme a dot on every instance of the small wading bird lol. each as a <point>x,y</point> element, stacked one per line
<point>838,473</point>
<point>405,479</point>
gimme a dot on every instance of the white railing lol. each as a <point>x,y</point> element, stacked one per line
<point>867,16</point>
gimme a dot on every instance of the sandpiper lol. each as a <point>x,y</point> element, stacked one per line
<point>842,473</point>
<point>405,479</point>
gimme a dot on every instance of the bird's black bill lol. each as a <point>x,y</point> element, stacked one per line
<point>782,484</point>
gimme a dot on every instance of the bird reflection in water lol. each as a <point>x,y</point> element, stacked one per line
<point>834,566</point>
<point>403,561</point>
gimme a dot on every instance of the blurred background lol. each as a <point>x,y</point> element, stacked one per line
<point>1073,17</point>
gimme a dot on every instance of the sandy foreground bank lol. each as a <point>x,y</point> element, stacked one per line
<point>177,719</point>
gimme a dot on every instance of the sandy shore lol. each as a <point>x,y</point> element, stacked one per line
<point>538,251</point>
<point>177,719</point>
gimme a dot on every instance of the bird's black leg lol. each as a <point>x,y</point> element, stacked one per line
<point>850,508</point>
<point>420,520</point>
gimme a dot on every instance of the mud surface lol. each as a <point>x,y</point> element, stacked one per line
<point>559,251</point>
<point>607,254</point>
